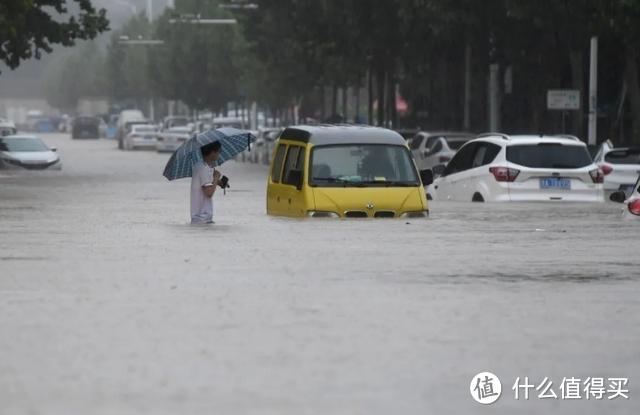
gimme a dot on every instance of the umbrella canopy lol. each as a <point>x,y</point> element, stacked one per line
<point>233,142</point>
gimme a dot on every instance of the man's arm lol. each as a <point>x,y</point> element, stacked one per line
<point>209,189</point>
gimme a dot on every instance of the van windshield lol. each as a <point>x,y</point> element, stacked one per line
<point>549,156</point>
<point>362,165</point>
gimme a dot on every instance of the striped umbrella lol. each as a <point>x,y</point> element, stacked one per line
<point>233,142</point>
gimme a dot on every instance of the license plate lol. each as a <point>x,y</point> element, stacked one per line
<point>555,183</point>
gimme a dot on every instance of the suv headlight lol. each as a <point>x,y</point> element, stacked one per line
<point>415,215</point>
<point>321,214</point>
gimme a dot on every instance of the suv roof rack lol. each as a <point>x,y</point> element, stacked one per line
<point>504,136</point>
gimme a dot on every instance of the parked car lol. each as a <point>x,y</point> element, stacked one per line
<point>126,119</point>
<point>263,148</point>
<point>85,127</point>
<point>631,200</point>
<point>434,148</point>
<point>175,121</point>
<point>502,168</point>
<point>345,172</point>
<point>7,128</point>
<point>27,152</point>
<point>621,167</point>
<point>171,139</point>
<point>141,136</point>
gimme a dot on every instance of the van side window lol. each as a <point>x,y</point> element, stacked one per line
<point>276,172</point>
<point>295,159</point>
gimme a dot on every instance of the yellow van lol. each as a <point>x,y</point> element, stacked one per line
<point>345,172</point>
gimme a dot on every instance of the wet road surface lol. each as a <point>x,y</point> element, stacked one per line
<point>111,304</point>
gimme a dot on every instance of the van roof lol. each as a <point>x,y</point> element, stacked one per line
<point>327,134</point>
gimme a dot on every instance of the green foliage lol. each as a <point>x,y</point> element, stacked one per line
<point>30,27</point>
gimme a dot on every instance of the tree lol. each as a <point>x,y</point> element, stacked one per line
<point>30,27</point>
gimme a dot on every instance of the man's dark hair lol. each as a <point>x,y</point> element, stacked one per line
<point>211,148</point>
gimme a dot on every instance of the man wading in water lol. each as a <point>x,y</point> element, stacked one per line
<point>204,183</point>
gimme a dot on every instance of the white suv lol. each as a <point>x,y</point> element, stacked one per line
<point>502,168</point>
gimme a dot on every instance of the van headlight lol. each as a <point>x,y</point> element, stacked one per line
<point>415,215</point>
<point>321,214</point>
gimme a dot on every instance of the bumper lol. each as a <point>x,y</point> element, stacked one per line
<point>557,196</point>
<point>143,143</point>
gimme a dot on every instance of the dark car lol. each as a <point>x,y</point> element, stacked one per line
<point>86,127</point>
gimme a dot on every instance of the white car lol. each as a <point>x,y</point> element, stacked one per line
<point>433,149</point>
<point>263,148</point>
<point>621,167</point>
<point>7,128</point>
<point>502,168</point>
<point>27,152</point>
<point>141,136</point>
<point>632,203</point>
<point>171,139</point>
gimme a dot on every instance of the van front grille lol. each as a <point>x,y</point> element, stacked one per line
<point>356,214</point>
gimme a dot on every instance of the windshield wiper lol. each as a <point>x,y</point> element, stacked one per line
<point>388,183</point>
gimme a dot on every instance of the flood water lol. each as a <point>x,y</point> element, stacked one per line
<point>111,304</point>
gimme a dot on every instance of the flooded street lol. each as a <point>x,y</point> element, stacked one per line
<point>111,304</point>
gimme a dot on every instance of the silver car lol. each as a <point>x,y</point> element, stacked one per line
<point>432,149</point>
<point>27,152</point>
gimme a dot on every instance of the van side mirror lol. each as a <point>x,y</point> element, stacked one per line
<point>294,178</point>
<point>618,197</point>
<point>427,177</point>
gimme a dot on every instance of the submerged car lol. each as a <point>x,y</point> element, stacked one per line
<point>86,127</point>
<point>345,172</point>
<point>433,149</point>
<point>141,136</point>
<point>620,166</point>
<point>632,202</point>
<point>502,168</point>
<point>27,152</point>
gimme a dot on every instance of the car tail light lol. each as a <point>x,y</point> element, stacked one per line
<point>634,207</point>
<point>445,159</point>
<point>597,176</point>
<point>504,174</point>
<point>606,169</point>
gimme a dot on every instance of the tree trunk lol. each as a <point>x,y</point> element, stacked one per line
<point>370,97</point>
<point>576,57</point>
<point>345,96</point>
<point>631,78</point>
<point>334,101</point>
<point>380,80</point>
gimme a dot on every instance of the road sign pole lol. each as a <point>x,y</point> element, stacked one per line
<point>593,93</point>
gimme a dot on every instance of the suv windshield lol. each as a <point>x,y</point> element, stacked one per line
<point>549,156</point>
<point>22,144</point>
<point>362,165</point>
<point>629,156</point>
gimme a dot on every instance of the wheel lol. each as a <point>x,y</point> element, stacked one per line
<point>477,198</point>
